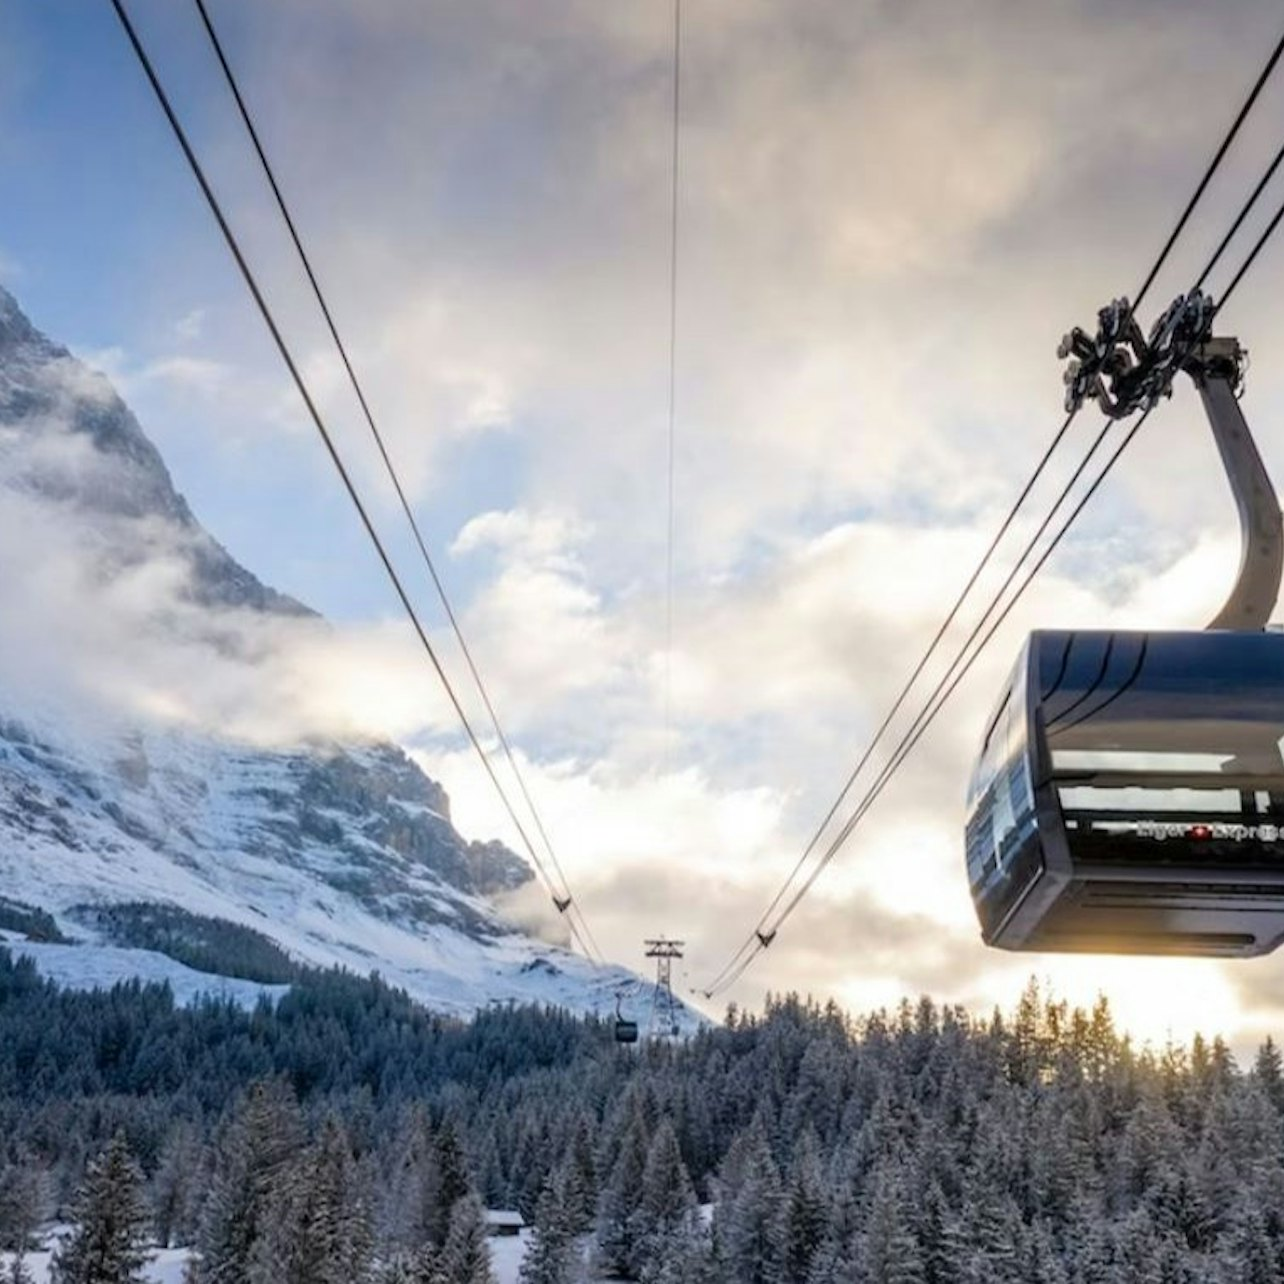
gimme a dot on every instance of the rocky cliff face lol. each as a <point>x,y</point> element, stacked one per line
<point>70,439</point>
<point>341,853</point>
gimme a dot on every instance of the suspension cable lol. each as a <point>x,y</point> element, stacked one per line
<point>759,931</point>
<point>318,421</point>
<point>1213,165</point>
<point>673,385</point>
<point>564,901</point>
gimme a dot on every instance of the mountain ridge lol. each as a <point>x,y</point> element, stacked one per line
<point>340,852</point>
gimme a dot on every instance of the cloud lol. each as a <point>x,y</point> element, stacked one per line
<point>855,185</point>
<point>189,327</point>
<point>116,606</point>
<point>187,374</point>
<point>112,370</point>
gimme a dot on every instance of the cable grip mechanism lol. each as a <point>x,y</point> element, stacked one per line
<point>1125,370</point>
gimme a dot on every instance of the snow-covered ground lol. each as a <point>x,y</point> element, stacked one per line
<point>506,1256</point>
<point>92,967</point>
<point>166,1266</point>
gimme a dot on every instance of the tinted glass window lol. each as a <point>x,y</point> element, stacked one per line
<point>1167,747</point>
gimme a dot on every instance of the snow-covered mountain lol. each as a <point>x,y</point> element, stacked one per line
<point>322,853</point>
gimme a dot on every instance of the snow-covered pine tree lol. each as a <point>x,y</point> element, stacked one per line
<point>453,1182</point>
<point>667,1208</point>
<point>833,1264</point>
<point>492,1184</point>
<point>428,1266</point>
<point>892,1254</point>
<point>397,1269</point>
<point>940,1235</point>
<point>323,1234</point>
<point>177,1186</point>
<point>24,1198</point>
<point>549,1257</point>
<point>1254,1259</point>
<point>409,1214</point>
<point>1041,1263</point>
<point>683,1257</point>
<point>466,1254</point>
<point>804,1210</point>
<point>1137,1250</point>
<point>253,1179</point>
<point>110,1223</point>
<point>617,1227</point>
<point>750,1230</point>
<point>579,1175</point>
<point>422,1267</point>
<point>1268,1069</point>
<point>17,1272</point>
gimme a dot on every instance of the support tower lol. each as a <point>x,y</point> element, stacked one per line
<point>664,1007</point>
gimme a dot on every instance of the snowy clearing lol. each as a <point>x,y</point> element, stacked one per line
<point>166,1267</point>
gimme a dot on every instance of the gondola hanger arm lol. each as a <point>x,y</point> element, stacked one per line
<point>1216,368</point>
<point>1125,371</point>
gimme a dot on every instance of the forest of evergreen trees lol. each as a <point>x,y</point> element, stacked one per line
<point>347,1135</point>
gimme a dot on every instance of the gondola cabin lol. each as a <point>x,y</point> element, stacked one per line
<point>1129,796</point>
<point>626,1031</point>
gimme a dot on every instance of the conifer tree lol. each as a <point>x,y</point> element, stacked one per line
<point>667,1207</point>
<point>617,1226</point>
<point>683,1257</point>
<point>804,1211</point>
<point>323,1233</point>
<point>253,1180</point>
<point>891,1253</point>
<point>17,1272</point>
<point>1137,1250</point>
<point>1041,1264</point>
<point>940,1235</point>
<point>422,1267</point>
<point>428,1266</point>
<point>23,1201</point>
<point>108,1241</point>
<point>410,1214</point>
<point>177,1187</point>
<point>465,1256</point>
<point>1268,1067</point>
<point>834,1263</point>
<point>453,1181</point>
<point>1254,1258</point>
<point>750,1230</point>
<point>398,1269</point>
<point>548,1258</point>
<point>579,1176</point>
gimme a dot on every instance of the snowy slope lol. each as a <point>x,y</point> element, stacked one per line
<point>265,840</point>
<point>91,967</point>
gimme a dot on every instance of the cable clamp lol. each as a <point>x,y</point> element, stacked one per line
<point>1125,370</point>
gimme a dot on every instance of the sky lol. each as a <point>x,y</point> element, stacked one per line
<point>888,215</point>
